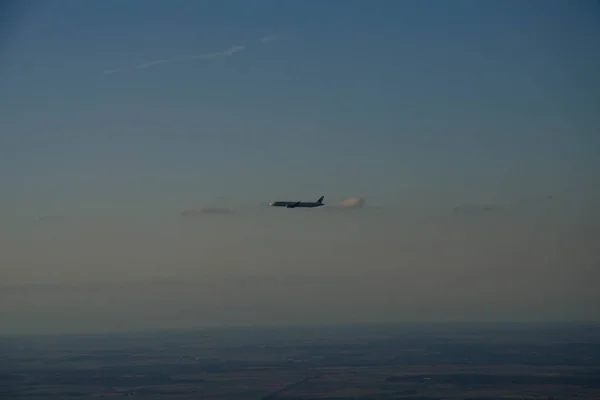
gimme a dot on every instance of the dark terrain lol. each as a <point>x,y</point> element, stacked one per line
<point>418,362</point>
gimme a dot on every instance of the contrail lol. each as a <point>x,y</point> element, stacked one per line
<point>207,56</point>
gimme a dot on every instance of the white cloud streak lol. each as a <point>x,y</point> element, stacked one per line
<point>111,71</point>
<point>152,63</point>
<point>269,38</point>
<point>353,202</point>
<point>228,52</point>
<point>207,56</point>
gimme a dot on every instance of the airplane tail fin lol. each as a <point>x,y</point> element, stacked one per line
<point>320,199</point>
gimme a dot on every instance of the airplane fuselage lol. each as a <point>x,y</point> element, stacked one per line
<point>294,204</point>
<point>298,204</point>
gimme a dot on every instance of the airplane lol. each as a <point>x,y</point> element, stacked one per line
<point>294,204</point>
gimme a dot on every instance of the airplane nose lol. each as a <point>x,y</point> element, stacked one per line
<point>271,203</point>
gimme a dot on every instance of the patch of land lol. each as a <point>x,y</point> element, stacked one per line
<point>342,362</point>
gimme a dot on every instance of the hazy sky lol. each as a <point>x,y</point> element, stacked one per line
<point>117,116</point>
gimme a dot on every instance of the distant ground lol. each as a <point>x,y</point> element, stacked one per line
<point>438,361</point>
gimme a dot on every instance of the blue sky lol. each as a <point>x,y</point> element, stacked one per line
<point>438,102</point>
<point>352,98</point>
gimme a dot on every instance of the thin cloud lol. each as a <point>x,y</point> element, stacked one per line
<point>349,203</point>
<point>526,203</point>
<point>151,63</point>
<point>207,56</point>
<point>534,200</point>
<point>269,38</point>
<point>353,202</point>
<point>228,52</point>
